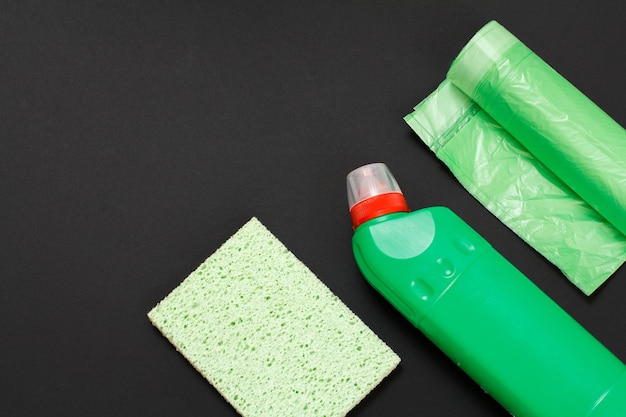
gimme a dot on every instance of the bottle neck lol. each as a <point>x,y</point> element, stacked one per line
<point>377,206</point>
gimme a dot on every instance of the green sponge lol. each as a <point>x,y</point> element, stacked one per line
<point>269,335</point>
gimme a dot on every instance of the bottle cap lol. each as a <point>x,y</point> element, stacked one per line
<point>373,192</point>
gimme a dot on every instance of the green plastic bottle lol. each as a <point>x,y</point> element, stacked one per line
<point>482,312</point>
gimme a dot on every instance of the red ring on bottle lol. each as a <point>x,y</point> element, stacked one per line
<point>377,206</point>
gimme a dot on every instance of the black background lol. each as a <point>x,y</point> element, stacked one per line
<point>137,136</point>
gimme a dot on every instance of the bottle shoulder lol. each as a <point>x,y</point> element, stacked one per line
<point>420,234</point>
<point>416,224</point>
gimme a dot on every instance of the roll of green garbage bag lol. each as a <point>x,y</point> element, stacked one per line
<point>583,146</point>
<point>534,150</point>
<point>517,188</point>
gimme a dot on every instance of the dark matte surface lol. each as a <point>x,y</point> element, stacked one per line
<point>137,136</point>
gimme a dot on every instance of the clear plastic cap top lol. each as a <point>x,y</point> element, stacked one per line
<point>369,181</point>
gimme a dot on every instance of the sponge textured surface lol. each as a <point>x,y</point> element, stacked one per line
<point>269,335</point>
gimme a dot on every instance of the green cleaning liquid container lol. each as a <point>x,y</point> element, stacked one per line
<point>483,313</point>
